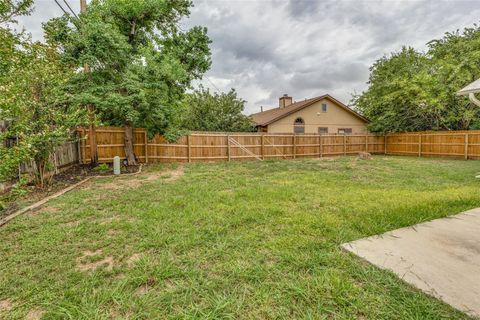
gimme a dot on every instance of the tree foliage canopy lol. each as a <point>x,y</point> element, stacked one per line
<point>412,91</point>
<point>206,111</point>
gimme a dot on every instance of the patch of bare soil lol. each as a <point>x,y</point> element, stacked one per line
<point>169,284</point>
<point>73,223</point>
<point>166,175</point>
<point>43,209</point>
<point>143,289</point>
<point>364,156</point>
<point>325,159</point>
<point>35,314</point>
<point>82,265</point>
<point>111,219</point>
<point>6,305</point>
<point>146,287</point>
<point>133,259</point>
<point>138,180</point>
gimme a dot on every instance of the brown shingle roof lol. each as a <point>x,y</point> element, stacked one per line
<point>266,117</point>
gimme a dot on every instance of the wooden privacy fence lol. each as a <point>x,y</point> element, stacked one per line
<point>251,146</point>
<point>454,144</point>
<point>226,146</point>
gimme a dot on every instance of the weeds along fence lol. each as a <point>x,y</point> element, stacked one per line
<point>250,146</point>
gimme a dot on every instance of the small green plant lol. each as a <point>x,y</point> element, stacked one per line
<point>102,168</point>
<point>20,188</point>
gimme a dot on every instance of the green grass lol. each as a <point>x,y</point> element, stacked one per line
<point>231,240</point>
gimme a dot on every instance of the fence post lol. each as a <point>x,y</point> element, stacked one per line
<point>82,145</point>
<point>366,143</point>
<point>146,147</point>
<point>466,146</point>
<point>294,146</point>
<point>228,147</point>
<point>263,146</point>
<point>419,144</point>
<point>189,152</point>
<point>321,146</point>
<point>344,144</point>
<point>385,143</point>
<point>79,148</point>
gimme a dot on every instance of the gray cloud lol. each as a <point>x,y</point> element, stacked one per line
<point>305,47</point>
<point>299,8</point>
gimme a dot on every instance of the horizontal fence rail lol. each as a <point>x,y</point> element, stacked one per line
<point>259,146</point>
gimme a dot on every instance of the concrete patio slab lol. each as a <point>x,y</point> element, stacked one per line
<point>440,257</point>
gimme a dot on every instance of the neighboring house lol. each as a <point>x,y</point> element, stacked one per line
<point>324,114</point>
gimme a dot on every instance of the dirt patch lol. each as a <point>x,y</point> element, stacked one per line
<point>35,314</point>
<point>167,175</point>
<point>43,209</point>
<point>134,182</point>
<point>83,266</point>
<point>111,219</point>
<point>112,233</point>
<point>146,287</point>
<point>119,184</point>
<point>133,259</point>
<point>325,159</point>
<point>143,289</point>
<point>170,285</point>
<point>73,223</point>
<point>6,305</point>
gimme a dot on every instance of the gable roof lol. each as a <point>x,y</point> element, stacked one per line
<point>266,117</point>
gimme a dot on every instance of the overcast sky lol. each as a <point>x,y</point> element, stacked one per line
<point>264,49</point>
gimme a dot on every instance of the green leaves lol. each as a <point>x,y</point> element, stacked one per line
<point>414,91</point>
<point>9,9</point>
<point>206,111</point>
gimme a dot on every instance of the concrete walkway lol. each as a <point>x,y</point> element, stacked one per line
<point>440,257</point>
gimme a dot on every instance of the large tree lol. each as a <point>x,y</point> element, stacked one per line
<point>414,91</point>
<point>207,111</point>
<point>141,62</point>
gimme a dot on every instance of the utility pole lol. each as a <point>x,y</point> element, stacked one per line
<point>91,110</point>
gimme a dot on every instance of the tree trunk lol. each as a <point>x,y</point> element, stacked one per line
<point>129,145</point>
<point>40,164</point>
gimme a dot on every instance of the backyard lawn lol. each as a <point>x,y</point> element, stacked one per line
<point>229,240</point>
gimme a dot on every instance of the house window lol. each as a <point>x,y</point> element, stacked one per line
<point>323,130</point>
<point>324,107</point>
<point>299,126</point>
<point>344,130</point>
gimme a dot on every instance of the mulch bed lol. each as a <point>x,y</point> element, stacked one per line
<point>59,182</point>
